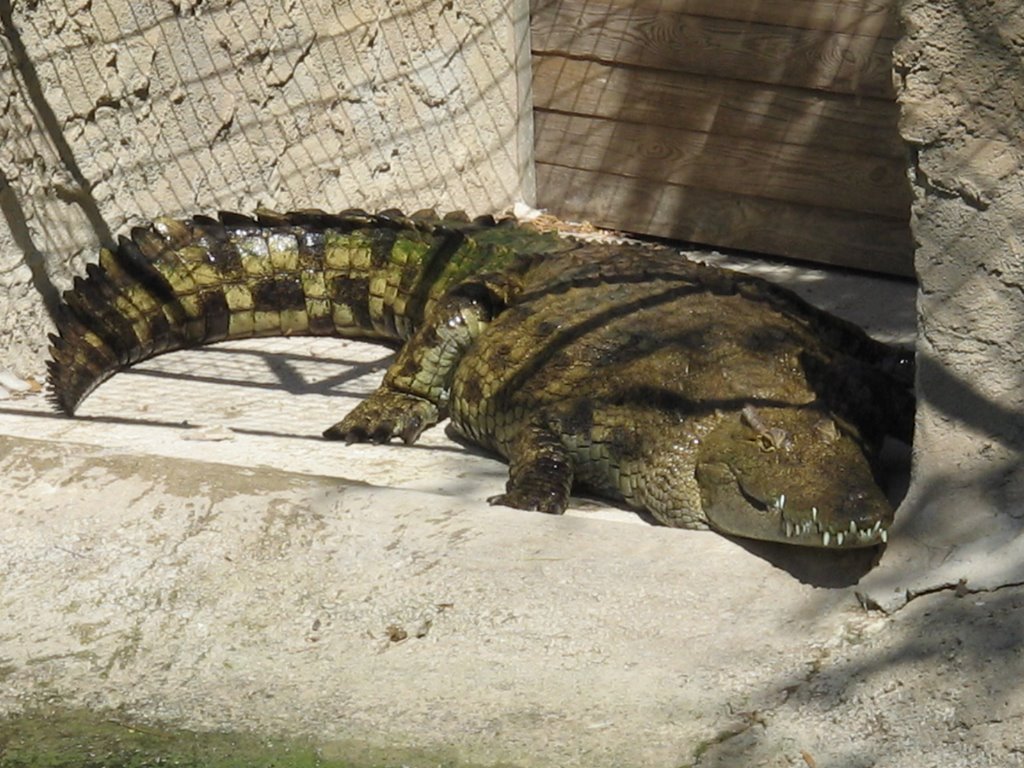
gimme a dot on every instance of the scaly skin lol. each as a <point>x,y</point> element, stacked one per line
<point>707,398</point>
<point>178,284</point>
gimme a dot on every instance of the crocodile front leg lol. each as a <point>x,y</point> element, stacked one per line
<point>632,453</point>
<point>540,472</point>
<point>414,394</point>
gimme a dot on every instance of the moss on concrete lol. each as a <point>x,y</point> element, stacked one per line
<point>85,739</point>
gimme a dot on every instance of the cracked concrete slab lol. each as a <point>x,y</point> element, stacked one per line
<point>936,683</point>
<point>220,597</point>
<point>189,551</point>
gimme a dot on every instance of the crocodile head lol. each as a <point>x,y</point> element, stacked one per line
<point>790,474</point>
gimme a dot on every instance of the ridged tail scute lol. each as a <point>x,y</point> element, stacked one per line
<point>123,311</point>
<point>181,283</point>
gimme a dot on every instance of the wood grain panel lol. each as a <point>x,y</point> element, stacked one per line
<point>874,18</point>
<point>787,172</point>
<point>729,220</point>
<point>768,125</point>
<point>742,50</point>
<point>716,105</point>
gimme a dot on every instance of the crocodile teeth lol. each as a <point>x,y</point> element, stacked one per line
<point>853,527</point>
<point>884,535</point>
<point>839,538</point>
<point>797,529</point>
<point>782,501</point>
<point>814,514</point>
<point>825,538</point>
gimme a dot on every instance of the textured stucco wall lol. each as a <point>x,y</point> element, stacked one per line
<point>960,72</point>
<point>112,112</point>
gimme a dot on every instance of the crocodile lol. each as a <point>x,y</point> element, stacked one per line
<point>703,397</point>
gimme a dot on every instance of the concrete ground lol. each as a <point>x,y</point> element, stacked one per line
<point>189,552</point>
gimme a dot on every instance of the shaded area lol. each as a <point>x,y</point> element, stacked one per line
<point>827,568</point>
<point>953,673</point>
<point>25,66</point>
<point>963,403</point>
<point>312,436</point>
<point>81,195</point>
<point>33,258</point>
<point>283,367</point>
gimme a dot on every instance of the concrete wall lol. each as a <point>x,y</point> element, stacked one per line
<point>960,74</point>
<point>112,111</point>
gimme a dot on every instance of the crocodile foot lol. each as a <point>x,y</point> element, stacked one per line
<point>384,415</point>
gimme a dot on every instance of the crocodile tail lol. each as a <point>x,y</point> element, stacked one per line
<point>175,284</point>
<point>124,310</point>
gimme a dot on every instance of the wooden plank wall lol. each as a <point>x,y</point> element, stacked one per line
<point>765,125</point>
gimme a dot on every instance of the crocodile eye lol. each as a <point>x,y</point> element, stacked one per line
<point>767,438</point>
<point>827,429</point>
<point>772,439</point>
